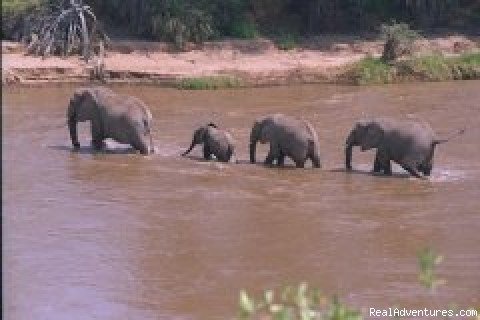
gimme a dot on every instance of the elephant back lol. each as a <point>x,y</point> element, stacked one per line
<point>219,141</point>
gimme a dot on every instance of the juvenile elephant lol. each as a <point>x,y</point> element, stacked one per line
<point>409,143</point>
<point>288,137</point>
<point>122,118</point>
<point>215,141</point>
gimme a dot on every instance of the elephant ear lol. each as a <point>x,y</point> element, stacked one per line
<point>199,135</point>
<point>373,136</point>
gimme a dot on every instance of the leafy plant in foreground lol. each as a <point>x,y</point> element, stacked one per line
<point>294,303</point>
<point>427,261</point>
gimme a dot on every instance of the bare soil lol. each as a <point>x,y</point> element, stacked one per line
<point>256,62</point>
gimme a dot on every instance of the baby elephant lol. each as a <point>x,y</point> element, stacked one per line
<point>122,118</point>
<point>288,137</point>
<point>215,141</point>
<point>410,144</point>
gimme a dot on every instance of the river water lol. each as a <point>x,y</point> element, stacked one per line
<point>120,236</point>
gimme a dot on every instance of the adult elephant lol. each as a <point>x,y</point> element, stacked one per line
<point>215,141</point>
<point>409,143</point>
<point>122,118</point>
<point>288,137</point>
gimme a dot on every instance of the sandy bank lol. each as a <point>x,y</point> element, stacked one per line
<point>255,62</point>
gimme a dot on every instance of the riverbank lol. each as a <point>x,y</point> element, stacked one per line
<point>229,63</point>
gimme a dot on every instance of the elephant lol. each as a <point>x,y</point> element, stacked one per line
<point>407,142</point>
<point>215,141</point>
<point>124,119</point>
<point>288,137</point>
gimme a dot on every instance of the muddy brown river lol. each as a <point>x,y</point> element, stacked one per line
<point>119,236</point>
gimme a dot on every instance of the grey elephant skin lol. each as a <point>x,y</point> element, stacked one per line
<point>124,119</point>
<point>215,142</point>
<point>288,137</point>
<point>409,143</point>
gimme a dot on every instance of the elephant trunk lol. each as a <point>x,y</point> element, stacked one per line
<point>72,127</point>
<point>350,143</point>
<point>348,156</point>
<point>253,149</point>
<point>190,148</point>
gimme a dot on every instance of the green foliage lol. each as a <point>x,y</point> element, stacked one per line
<point>243,29</point>
<point>371,71</point>
<point>426,68</point>
<point>209,83</point>
<point>13,13</point>
<point>399,39</point>
<point>287,42</point>
<point>179,22</point>
<point>196,20</point>
<point>428,261</point>
<point>339,311</point>
<point>16,6</point>
<point>292,303</point>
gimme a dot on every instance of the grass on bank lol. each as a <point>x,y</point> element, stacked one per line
<point>427,68</point>
<point>209,83</point>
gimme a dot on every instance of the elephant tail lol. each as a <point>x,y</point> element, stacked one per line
<point>450,136</point>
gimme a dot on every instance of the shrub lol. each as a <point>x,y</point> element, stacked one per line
<point>371,71</point>
<point>209,83</point>
<point>179,23</point>
<point>61,26</point>
<point>427,68</point>
<point>399,39</point>
<point>293,303</point>
<point>243,29</point>
<point>287,42</point>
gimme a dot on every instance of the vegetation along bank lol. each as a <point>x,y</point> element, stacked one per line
<point>234,43</point>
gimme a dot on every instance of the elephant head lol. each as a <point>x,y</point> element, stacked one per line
<point>367,135</point>
<point>261,131</point>
<point>199,137</point>
<point>81,108</point>
<point>122,118</point>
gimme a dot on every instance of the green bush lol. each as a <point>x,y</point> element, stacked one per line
<point>292,303</point>
<point>426,68</point>
<point>243,29</point>
<point>13,13</point>
<point>399,39</point>
<point>287,42</point>
<point>371,71</point>
<point>209,83</point>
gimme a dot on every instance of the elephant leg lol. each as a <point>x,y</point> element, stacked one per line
<point>98,144</point>
<point>97,135</point>
<point>382,163</point>
<point>207,153</point>
<point>141,147</point>
<point>425,168</point>
<point>315,161</point>
<point>281,159</point>
<point>272,154</point>
<point>377,164</point>
<point>229,154</point>
<point>300,163</point>
<point>387,168</point>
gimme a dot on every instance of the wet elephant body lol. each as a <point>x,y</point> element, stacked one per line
<point>124,119</point>
<point>216,141</point>
<point>288,137</point>
<point>409,143</point>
